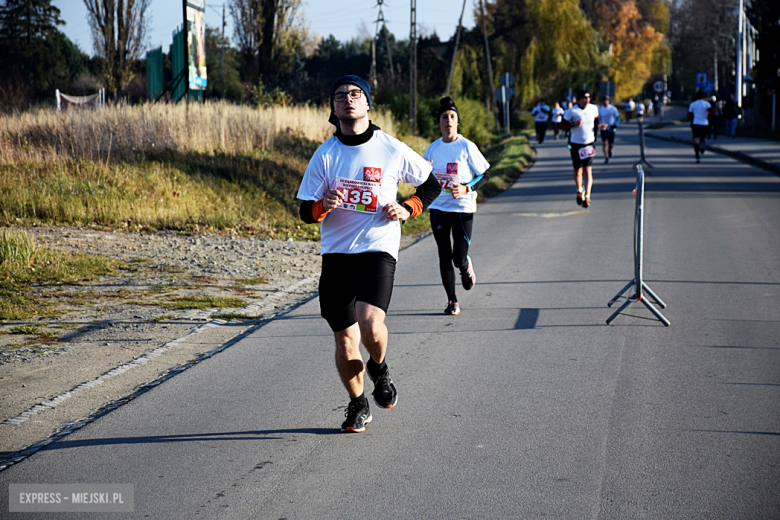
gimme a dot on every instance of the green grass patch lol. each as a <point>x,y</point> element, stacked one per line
<point>508,158</point>
<point>233,316</point>
<point>23,263</point>
<point>203,302</point>
<point>163,318</point>
<point>258,280</point>
<point>29,330</point>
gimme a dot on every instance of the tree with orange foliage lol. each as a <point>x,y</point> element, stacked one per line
<point>633,42</point>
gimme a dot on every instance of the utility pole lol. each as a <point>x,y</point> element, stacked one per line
<point>413,70</point>
<point>455,52</point>
<point>381,18</point>
<point>739,54</point>
<point>186,51</point>
<point>373,62</point>
<point>491,86</point>
<point>223,51</point>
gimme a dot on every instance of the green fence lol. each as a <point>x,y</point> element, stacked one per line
<point>154,73</point>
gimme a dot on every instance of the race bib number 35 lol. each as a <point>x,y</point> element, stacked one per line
<point>587,151</point>
<point>359,195</point>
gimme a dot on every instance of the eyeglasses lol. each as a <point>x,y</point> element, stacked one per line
<point>340,97</point>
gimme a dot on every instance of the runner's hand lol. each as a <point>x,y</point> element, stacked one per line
<point>332,199</point>
<point>395,211</point>
<point>458,190</point>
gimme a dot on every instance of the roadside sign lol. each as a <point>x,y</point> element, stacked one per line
<point>701,79</point>
<point>504,94</point>
<point>608,89</point>
<point>658,86</point>
<point>507,79</point>
<point>709,86</point>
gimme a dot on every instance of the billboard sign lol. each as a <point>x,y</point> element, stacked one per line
<point>196,44</point>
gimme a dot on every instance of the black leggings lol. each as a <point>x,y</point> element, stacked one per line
<point>452,253</point>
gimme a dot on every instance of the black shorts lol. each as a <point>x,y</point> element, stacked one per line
<point>699,131</point>
<point>575,156</point>
<point>345,279</point>
<point>608,136</point>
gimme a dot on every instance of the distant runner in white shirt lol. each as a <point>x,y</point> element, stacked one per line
<point>461,170</point>
<point>629,109</point>
<point>584,119</point>
<point>699,113</point>
<point>557,117</point>
<point>640,111</point>
<point>610,117</point>
<point>541,113</point>
<point>350,186</point>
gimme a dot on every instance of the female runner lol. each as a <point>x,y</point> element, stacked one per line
<point>461,170</point>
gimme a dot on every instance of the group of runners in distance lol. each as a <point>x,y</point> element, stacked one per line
<point>350,188</point>
<point>580,121</point>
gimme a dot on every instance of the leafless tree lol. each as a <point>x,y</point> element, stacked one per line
<point>119,35</point>
<point>253,29</point>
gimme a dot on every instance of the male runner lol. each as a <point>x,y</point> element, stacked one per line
<point>699,113</point>
<point>350,186</point>
<point>583,118</point>
<point>610,117</point>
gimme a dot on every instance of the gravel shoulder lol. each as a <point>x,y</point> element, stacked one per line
<point>114,337</point>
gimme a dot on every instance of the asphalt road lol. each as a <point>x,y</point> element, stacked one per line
<point>527,405</point>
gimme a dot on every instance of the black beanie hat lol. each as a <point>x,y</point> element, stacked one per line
<point>348,80</point>
<point>446,103</point>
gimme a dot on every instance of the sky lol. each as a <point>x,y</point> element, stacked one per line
<point>344,22</point>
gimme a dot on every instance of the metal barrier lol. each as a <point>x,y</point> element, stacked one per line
<point>640,287</point>
<point>642,158</point>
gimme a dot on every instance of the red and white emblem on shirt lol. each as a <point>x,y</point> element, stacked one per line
<point>372,174</point>
<point>452,168</point>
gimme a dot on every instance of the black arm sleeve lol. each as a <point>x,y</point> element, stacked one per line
<point>306,212</point>
<point>428,191</point>
<point>482,179</point>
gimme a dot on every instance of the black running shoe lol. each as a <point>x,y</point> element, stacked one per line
<point>467,276</point>
<point>384,393</point>
<point>453,308</point>
<point>579,198</point>
<point>357,418</point>
<point>586,201</point>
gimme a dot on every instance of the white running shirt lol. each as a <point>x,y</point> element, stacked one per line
<point>557,114</point>
<point>370,172</point>
<point>459,161</point>
<point>585,134</point>
<point>608,114</point>
<point>700,109</point>
<point>541,112</point>
<point>630,106</point>
<point>640,108</point>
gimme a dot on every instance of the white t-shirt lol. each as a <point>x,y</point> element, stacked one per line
<point>542,112</point>
<point>557,114</point>
<point>700,109</point>
<point>608,114</point>
<point>585,134</point>
<point>630,106</point>
<point>459,161</point>
<point>640,108</point>
<point>370,172</point>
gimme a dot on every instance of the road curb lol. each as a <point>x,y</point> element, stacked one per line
<point>740,156</point>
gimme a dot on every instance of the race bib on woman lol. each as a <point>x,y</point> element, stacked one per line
<point>587,151</point>
<point>446,180</point>
<point>359,195</point>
